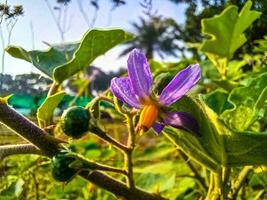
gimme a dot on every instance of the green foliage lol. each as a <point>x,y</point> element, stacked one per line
<point>14,191</point>
<point>45,61</point>
<point>218,145</point>
<point>249,104</point>
<point>227,30</point>
<point>46,110</point>
<point>75,121</point>
<point>62,61</point>
<point>217,101</point>
<point>94,43</point>
<point>231,113</point>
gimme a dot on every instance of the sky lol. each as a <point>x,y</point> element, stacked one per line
<point>37,26</point>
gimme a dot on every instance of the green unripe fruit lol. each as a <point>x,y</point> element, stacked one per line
<point>161,82</point>
<point>75,121</point>
<point>61,170</point>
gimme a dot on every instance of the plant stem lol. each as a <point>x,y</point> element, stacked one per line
<point>118,188</point>
<point>128,155</point>
<point>91,165</point>
<point>7,150</point>
<point>225,179</point>
<point>102,135</point>
<point>239,181</point>
<point>97,99</point>
<point>218,184</point>
<point>38,137</point>
<point>31,131</point>
<point>109,169</point>
<point>211,187</point>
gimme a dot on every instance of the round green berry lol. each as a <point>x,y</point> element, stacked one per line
<point>75,121</point>
<point>60,167</point>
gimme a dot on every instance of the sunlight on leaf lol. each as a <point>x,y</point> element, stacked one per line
<point>46,110</point>
<point>227,30</point>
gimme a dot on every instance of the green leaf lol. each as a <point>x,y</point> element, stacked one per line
<point>94,43</point>
<point>226,30</point>
<point>157,168</point>
<point>14,190</point>
<point>234,69</point>
<point>218,145</point>
<point>248,104</point>
<point>64,60</point>
<point>154,182</point>
<point>207,149</point>
<point>185,189</point>
<point>246,148</point>
<point>46,110</point>
<point>217,101</point>
<point>45,61</point>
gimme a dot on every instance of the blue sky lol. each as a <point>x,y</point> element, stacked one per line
<point>45,29</point>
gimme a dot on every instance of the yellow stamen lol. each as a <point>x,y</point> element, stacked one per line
<point>148,116</point>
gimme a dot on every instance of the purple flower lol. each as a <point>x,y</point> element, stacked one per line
<point>135,91</point>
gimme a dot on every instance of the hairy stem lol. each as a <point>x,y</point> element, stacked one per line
<point>7,150</point>
<point>28,130</point>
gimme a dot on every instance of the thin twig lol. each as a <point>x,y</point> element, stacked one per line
<point>85,17</point>
<point>61,31</point>
<point>91,165</point>
<point>102,135</point>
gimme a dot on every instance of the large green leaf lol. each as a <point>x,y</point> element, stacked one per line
<point>46,110</point>
<point>94,43</point>
<point>207,149</point>
<point>226,30</point>
<point>248,103</point>
<point>62,61</point>
<point>218,145</point>
<point>246,148</point>
<point>45,61</point>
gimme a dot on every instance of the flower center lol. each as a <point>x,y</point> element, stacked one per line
<point>148,117</point>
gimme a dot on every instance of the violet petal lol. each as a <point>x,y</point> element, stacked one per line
<point>182,120</point>
<point>158,127</point>
<point>180,85</point>
<point>122,89</point>
<point>139,73</point>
